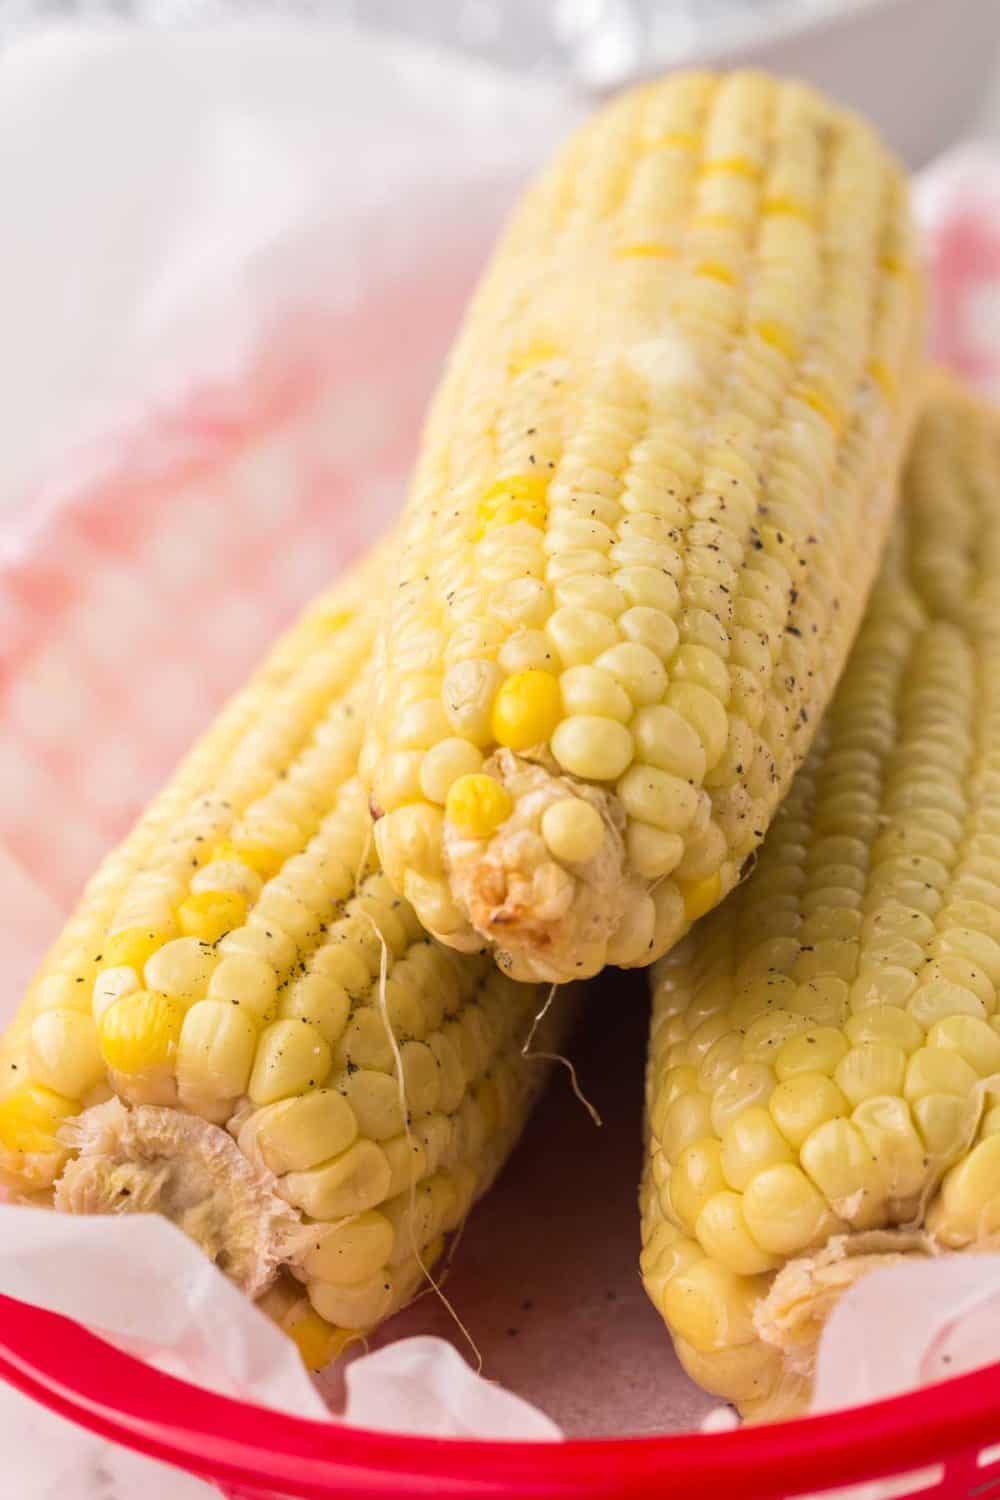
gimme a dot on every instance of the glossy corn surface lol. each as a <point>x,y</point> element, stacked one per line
<point>245,1028</point>
<point>649,506</point>
<point>824,1060</point>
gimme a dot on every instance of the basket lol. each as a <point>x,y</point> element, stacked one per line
<point>939,1442</point>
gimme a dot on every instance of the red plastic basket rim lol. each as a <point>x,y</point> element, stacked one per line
<point>74,1372</point>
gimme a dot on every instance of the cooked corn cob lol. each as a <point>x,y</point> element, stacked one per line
<point>648,510</point>
<point>213,1036</point>
<point>824,1063</point>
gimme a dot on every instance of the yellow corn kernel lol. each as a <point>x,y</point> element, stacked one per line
<point>264,860</point>
<point>783,203</point>
<point>318,1342</point>
<point>526,710</point>
<point>784,1212</point>
<point>536,352</point>
<point>883,378</point>
<point>132,946</point>
<point>700,896</point>
<point>646,250</point>
<point>778,336</point>
<point>139,1033</point>
<point>477,805</point>
<point>822,403</point>
<point>209,915</point>
<point>716,270</point>
<point>732,166</point>
<point>30,1116</point>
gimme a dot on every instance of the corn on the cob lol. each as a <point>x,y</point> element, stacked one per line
<point>651,497</point>
<point>824,1061</point>
<point>244,1028</point>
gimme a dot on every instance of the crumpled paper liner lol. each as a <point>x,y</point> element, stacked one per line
<point>209,418</point>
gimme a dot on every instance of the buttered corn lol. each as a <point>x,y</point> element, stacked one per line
<point>824,1061</point>
<point>652,493</point>
<point>244,1028</point>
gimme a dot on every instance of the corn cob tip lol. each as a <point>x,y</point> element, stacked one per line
<point>553,917</point>
<point>149,1159</point>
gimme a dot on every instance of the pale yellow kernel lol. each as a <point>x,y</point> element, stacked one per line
<point>665,739</point>
<point>885,1023</point>
<point>887,1126</point>
<point>59,992</point>
<point>967,1208</point>
<point>467,694</point>
<point>588,690</point>
<point>319,999</point>
<point>656,797</point>
<point>247,981</point>
<point>527,651</point>
<point>139,1033</point>
<point>111,985</point>
<point>652,853</point>
<point>292,1057</point>
<point>632,941</point>
<point>938,1070</point>
<point>228,875</point>
<point>63,1052</point>
<point>818,1050</point>
<point>748,1086</point>
<point>297,1134</point>
<point>703,668</point>
<point>937,999</point>
<point>215,1052</point>
<point>888,985</point>
<point>351,1182</point>
<point>209,915</point>
<point>687,1119</point>
<point>591,747</point>
<point>652,628</point>
<point>705,714</point>
<point>695,1176</point>
<point>477,805</point>
<point>972,1038</point>
<point>410,840</point>
<point>181,969</point>
<point>637,669</point>
<point>871,1068</point>
<point>804,1101</point>
<point>723,1235</point>
<point>348,1252</point>
<point>527,710</point>
<point>751,1142</point>
<point>837,1159</point>
<point>573,830</point>
<point>784,1212</point>
<point>944,1121</point>
<point>397,779</point>
<point>765,1037</point>
<point>580,635</point>
<point>711,1307</point>
<point>521,602</point>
